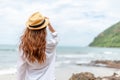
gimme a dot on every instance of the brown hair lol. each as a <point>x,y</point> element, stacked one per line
<point>33,45</point>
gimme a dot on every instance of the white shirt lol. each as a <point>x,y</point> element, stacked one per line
<point>35,71</point>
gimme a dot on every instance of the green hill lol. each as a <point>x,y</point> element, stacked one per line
<point>108,38</point>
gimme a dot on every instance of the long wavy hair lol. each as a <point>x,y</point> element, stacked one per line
<point>33,45</point>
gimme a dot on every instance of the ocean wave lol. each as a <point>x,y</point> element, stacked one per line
<point>75,56</point>
<point>108,52</point>
<point>8,71</point>
<point>8,49</point>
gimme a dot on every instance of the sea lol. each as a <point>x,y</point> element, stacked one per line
<point>65,56</point>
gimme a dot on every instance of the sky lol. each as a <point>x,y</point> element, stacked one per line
<point>77,22</point>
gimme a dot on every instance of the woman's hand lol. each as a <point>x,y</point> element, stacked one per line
<point>50,26</point>
<point>46,18</point>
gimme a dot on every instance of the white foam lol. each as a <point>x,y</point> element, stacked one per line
<point>107,52</point>
<point>7,71</point>
<point>75,56</point>
<point>82,62</point>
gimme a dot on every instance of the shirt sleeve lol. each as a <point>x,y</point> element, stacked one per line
<point>21,67</point>
<point>51,43</point>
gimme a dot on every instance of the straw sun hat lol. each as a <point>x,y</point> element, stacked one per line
<point>37,21</point>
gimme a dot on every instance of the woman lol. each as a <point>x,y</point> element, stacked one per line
<point>37,56</point>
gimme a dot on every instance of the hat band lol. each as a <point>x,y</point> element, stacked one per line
<point>36,26</point>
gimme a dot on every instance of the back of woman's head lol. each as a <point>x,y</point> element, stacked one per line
<point>33,45</point>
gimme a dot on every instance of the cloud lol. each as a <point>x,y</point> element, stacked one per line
<point>77,21</point>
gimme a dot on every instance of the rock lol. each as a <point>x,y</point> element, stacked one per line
<point>83,76</point>
<point>90,76</point>
<point>98,78</point>
<point>108,63</point>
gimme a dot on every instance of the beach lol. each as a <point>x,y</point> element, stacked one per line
<point>69,60</point>
<point>64,73</point>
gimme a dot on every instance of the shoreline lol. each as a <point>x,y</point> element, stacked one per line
<point>104,63</point>
<point>73,69</point>
<point>98,68</point>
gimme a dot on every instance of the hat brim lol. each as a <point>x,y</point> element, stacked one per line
<point>38,28</point>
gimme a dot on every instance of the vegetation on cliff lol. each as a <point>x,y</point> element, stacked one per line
<point>108,38</point>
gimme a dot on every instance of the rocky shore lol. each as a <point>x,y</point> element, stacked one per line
<point>90,76</point>
<point>98,63</point>
<point>106,63</point>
